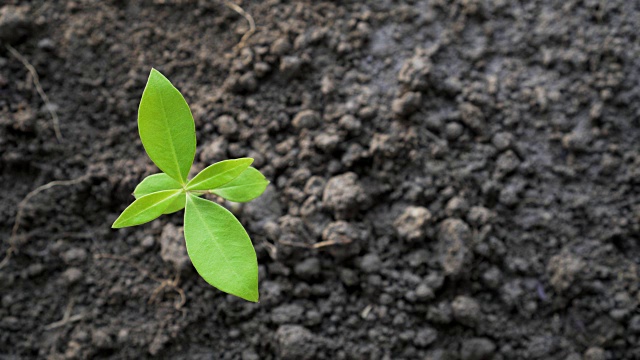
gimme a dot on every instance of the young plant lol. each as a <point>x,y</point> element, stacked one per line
<point>218,245</point>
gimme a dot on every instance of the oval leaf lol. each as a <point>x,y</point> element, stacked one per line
<point>166,127</point>
<point>178,204</point>
<point>159,182</point>
<point>220,248</point>
<point>246,187</point>
<point>154,183</point>
<point>218,174</point>
<point>146,208</point>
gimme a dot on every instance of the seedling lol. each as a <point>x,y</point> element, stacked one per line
<point>218,245</point>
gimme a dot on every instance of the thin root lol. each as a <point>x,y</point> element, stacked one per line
<point>16,225</point>
<point>66,318</point>
<point>248,17</point>
<point>317,245</point>
<point>172,284</point>
<point>43,95</point>
<point>271,249</point>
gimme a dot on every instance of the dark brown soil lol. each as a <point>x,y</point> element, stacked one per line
<point>450,179</point>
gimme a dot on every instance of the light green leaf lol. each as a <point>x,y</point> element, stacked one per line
<point>177,204</point>
<point>246,187</point>
<point>154,183</point>
<point>219,174</point>
<point>159,182</point>
<point>220,248</point>
<point>166,127</point>
<point>146,208</point>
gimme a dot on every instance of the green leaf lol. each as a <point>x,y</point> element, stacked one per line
<point>146,208</point>
<point>154,183</point>
<point>218,174</point>
<point>246,187</point>
<point>166,127</point>
<point>159,182</point>
<point>220,248</point>
<point>178,204</point>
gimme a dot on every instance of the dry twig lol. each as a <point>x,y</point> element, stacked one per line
<point>43,95</point>
<point>66,318</point>
<point>317,245</point>
<point>248,17</point>
<point>16,225</point>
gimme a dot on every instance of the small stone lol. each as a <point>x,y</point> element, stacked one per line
<point>440,313</point>
<point>227,125</point>
<point>261,69</point>
<point>74,256</point>
<point>147,242</point>
<point>434,281</point>
<point>411,225</point>
<point>295,342</point>
<point>290,66</point>
<point>466,310</point>
<point>287,314</point>
<point>453,130</point>
<point>327,142</point>
<point>348,277</point>
<point>472,117</point>
<point>46,44</point>
<point>250,355</point>
<point>407,104</point>
<point>492,278</point>
<point>424,293</point>
<point>101,339</point>
<point>634,324</point>
<point>72,276</point>
<point>507,163</point>
<point>425,337</point>
<point>370,263</point>
<point>577,140</point>
<point>456,206</point>
<point>350,123</point>
<point>415,71</point>
<point>477,349</point>
<point>453,237</point>
<point>327,85</point>
<point>344,239</point>
<point>367,113</point>
<point>306,119</point>
<point>594,353</point>
<point>281,46</point>
<point>344,195</point>
<point>563,270</point>
<point>308,268</point>
<point>314,186</point>
<point>502,140</point>
<point>248,82</point>
<point>123,336</point>
<point>479,215</point>
<point>214,151</point>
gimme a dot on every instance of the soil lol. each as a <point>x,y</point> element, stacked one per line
<point>450,179</point>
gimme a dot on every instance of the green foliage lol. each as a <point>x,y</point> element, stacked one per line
<point>219,247</point>
<point>246,187</point>
<point>166,127</point>
<point>159,182</point>
<point>219,174</point>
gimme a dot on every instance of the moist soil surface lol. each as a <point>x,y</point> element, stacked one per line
<point>449,179</point>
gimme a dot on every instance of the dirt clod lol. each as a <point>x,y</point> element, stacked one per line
<point>412,223</point>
